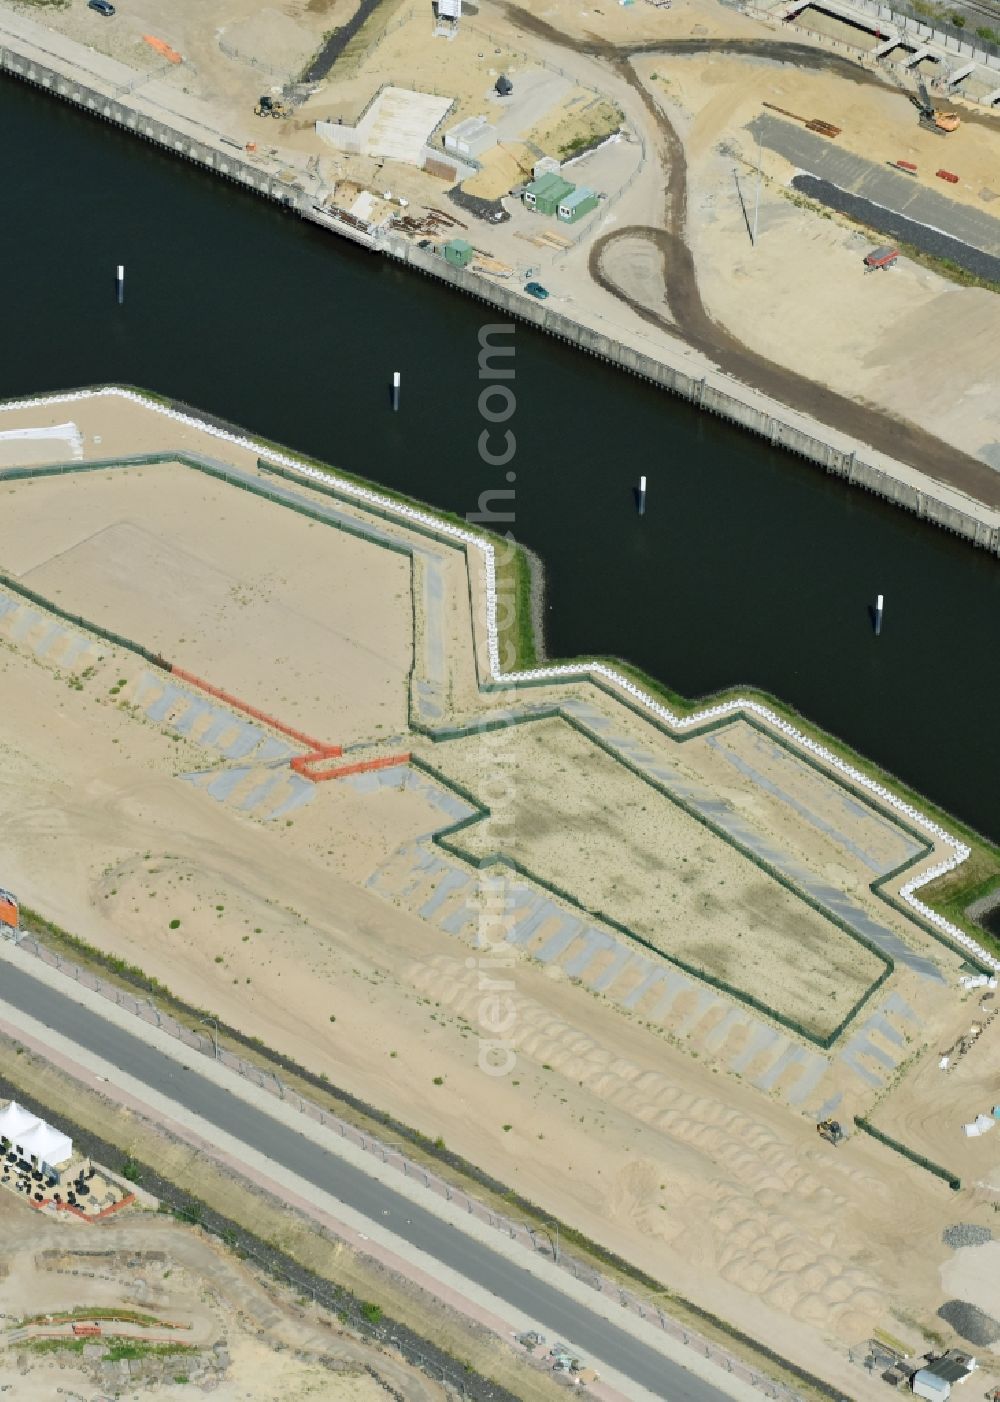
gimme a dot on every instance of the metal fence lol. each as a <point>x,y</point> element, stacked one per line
<point>231,51</point>
<point>541,1240</point>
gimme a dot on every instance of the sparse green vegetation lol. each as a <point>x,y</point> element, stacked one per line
<point>53,1345</point>
<point>139,1348</point>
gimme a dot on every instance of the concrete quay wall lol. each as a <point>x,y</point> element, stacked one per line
<point>714,392</point>
<point>224,160</point>
<point>740,404</point>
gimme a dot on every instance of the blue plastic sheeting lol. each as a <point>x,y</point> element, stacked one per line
<point>157,710</point>
<point>196,709</point>
<point>22,626</point>
<point>302,792</point>
<point>260,792</point>
<point>45,642</point>
<point>225,784</point>
<point>273,749</point>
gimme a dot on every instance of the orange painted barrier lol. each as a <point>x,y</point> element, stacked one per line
<point>317,746</point>
<point>162,47</point>
<point>87,1331</point>
<point>947,175</point>
<point>316,750</point>
<point>362,766</point>
<point>126,1201</point>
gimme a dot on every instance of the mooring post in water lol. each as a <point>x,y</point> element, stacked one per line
<point>878,615</point>
<point>642,496</point>
<point>395,389</point>
<point>121,283</point>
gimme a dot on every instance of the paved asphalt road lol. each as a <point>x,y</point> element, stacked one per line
<point>591,1333</point>
<point>882,185</point>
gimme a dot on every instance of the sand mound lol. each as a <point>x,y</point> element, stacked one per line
<point>757,1223</point>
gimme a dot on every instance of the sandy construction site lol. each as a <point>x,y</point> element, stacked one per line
<point>200,1315</point>
<point>582,820</point>
<point>338,921</point>
<point>664,262</point>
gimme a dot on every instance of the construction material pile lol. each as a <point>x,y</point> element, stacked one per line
<point>970,1322</point>
<point>966,1234</point>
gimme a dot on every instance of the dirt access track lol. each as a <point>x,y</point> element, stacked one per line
<point>895,362</point>
<point>229,1323</point>
<point>671,299</point>
<point>668,1089</point>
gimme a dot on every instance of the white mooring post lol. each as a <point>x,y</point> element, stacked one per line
<point>642,496</point>
<point>395,389</point>
<point>878,615</point>
<point>121,283</point>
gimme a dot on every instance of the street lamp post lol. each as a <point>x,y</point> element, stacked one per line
<point>756,202</point>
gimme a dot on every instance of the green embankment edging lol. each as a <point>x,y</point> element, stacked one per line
<point>327,489</point>
<point>445,839</point>
<point>525,646</point>
<point>919,1159</point>
<point>118,639</point>
<point>523,632</point>
<point>954,826</point>
<point>221,472</point>
<point>685,706</point>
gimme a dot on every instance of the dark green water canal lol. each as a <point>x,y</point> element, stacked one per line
<point>749,567</point>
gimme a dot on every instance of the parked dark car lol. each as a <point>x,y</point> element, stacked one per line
<point>103,7</point>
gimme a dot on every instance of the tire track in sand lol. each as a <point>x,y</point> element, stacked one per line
<point>687,314</point>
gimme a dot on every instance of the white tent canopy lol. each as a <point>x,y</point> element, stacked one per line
<point>46,1144</point>
<point>15,1121</point>
<point>33,1136</point>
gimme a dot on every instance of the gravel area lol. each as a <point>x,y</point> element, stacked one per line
<point>491,211</point>
<point>897,226</point>
<point>970,1323</point>
<point>966,1234</point>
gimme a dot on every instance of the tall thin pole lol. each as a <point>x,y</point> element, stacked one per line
<point>756,203</point>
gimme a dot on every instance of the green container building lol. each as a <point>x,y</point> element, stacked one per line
<point>546,194</point>
<point>576,204</point>
<point>458,253</point>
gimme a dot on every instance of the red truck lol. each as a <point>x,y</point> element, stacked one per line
<point>883,257</point>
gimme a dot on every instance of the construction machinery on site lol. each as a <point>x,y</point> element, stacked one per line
<point>830,1130</point>
<point>934,118</point>
<point>271,107</point>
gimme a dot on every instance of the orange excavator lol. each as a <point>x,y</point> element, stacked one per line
<point>931,117</point>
